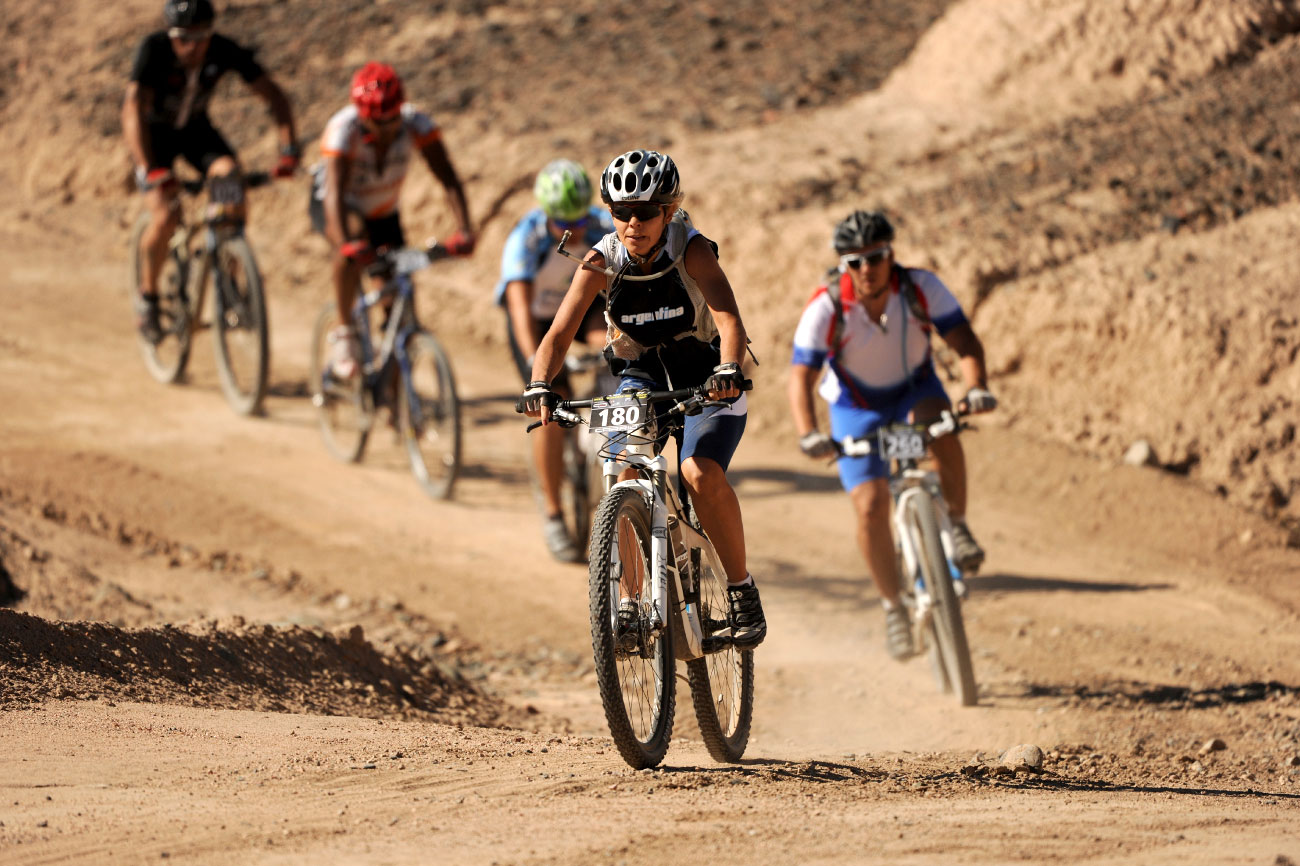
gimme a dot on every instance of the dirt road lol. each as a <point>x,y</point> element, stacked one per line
<point>1124,620</point>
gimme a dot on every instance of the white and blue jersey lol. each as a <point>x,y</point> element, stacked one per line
<point>878,359</point>
<point>878,372</point>
<point>529,255</point>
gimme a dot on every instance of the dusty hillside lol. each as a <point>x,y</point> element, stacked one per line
<point>207,623</point>
<point>1013,140</point>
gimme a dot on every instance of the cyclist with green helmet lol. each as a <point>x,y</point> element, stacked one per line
<point>533,282</point>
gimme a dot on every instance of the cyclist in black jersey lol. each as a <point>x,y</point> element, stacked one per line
<point>165,115</point>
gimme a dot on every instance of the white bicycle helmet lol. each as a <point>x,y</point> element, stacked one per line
<point>641,175</point>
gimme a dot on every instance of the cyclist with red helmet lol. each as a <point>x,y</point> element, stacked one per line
<point>367,148</point>
<point>165,115</point>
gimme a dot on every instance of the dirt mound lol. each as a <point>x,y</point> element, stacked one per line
<point>1139,353</point>
<point>229,665</point>
<point>1027,60</point>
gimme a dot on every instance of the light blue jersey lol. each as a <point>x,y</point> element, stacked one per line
<point>529,254</point>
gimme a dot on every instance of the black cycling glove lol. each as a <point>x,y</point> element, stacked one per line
<point>537,395</point>
<point>725,376</point>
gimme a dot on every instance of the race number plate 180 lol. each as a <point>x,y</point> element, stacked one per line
<point>901,443</point>
<point>623,412</point>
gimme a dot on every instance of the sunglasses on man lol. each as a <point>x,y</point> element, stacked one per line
<point>190,34</point>
<point>857,261</point>
<point>644,212</point>
<point>571,225</point>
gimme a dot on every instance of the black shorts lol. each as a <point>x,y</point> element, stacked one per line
<point>386,231</point>
<point>198,141</point>
<point>524,364</point>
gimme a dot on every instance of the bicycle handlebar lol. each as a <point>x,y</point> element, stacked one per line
<point>252,180</point>
<point>681,395</point>
<point>864,446</point>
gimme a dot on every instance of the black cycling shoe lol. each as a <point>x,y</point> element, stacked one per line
<point>149,320</point>
<point>898,633</point>
<point>967,555</point>
<point>627,635</point>
<point>748,625</point>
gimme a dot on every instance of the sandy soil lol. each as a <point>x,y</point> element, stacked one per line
<point>218,645</point>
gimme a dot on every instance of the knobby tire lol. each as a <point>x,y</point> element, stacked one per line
<point>949,627</point>
<point>343,408</point>
<point>244,390</point>
<point>641,733</point>
<point>722,683</point>
<point>430,413</point>
<point>167,360</point>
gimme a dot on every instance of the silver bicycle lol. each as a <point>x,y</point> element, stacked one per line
<point>932,586</point>
<point>657,590</point>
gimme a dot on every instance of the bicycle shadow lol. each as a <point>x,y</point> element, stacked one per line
<point>781,482</point>
<point>1007,582</point>
<point>770,770</point>
<point>1150,694</point>
<point>856,592</point>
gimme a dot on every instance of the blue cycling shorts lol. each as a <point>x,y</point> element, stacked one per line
<point>714,433</point>
<point>857,422</point>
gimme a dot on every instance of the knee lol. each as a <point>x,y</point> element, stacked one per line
<point>873,504</point>
<point>702,475</point>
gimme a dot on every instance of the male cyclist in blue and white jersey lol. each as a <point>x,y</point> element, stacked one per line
<point>869,326</point>
<point>534,279</point>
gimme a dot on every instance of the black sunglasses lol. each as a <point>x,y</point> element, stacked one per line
<point>644,212</point>
<point>190,35</point>
<point>860,260</point>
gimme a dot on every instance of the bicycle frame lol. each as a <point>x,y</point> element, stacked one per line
<point>672,537</point>
<point>908,482</point>
<point>401,324</point>
<point>218,227</point>
<point>378,361</point>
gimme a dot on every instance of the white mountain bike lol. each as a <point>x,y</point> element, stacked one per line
<point>647,548</point>
<point>931,584</point>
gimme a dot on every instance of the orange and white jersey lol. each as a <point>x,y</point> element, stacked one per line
<point>373,191</point>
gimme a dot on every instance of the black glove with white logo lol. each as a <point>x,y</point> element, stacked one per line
<point>536,395</point>
<point>726,377</point>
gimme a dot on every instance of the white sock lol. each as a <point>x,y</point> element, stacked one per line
<point>748,581</point>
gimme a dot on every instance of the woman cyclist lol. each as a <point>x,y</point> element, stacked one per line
<point>678,329</point>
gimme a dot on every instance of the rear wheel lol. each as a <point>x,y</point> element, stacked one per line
<point>239,316</point>
<point>637,684</point>
<point>430,415</point>
<point>948,627</point>
<point>167,358</point>
<point>722,682</point>
<point>577,492</point>
<point>343,406</point>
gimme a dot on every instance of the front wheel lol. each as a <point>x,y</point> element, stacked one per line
<point>636,670</point>
<point>240,320</point>
<point>949,629</point>
<point>430,414</point>
<point>343,406</point>
<point>722,682</point>
<point>167,358</point>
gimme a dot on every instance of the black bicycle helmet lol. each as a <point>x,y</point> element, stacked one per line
<point>641,175</point>
<point>188,13</point>
<point>862,228</point>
